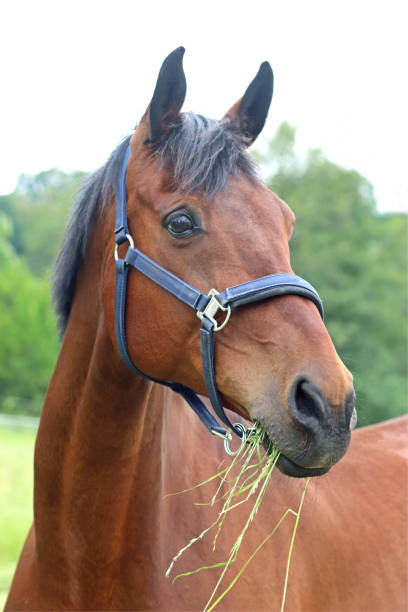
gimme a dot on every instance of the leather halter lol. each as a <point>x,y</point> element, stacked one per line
<point>206,306</point>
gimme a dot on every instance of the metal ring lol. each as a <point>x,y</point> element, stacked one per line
<point>242,428</point>
<point>131,245</point>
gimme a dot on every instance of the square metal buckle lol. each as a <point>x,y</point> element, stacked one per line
<point>212,308</point>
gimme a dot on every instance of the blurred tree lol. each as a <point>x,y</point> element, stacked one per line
<point>355,258</point>
<point>39,209</point>
<point>28,336</point>
<point>32,223</point>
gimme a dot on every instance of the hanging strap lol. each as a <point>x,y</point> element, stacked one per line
<point>189,395</point>
<point>121,225</point>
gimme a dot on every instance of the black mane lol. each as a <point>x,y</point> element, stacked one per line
<point>200,154</point>
<point>98,187</point>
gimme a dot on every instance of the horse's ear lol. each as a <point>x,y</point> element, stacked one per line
<point>250,112</point>
<point>168,96</point>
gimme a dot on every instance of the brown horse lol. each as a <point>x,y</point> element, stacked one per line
<point>111,443</point>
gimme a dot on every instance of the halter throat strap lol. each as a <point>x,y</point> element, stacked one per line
<point>205,305</point>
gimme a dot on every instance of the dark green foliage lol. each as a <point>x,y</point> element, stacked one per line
<point>28,338</point>
<point>355,257</point>
<point>32,224</point>
<point>39,209</point>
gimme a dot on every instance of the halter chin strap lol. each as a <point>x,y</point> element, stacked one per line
<point>206,307</point>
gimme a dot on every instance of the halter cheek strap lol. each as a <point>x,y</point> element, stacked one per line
<point>206,307</point>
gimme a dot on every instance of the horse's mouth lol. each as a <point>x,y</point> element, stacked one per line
<point>284,464</point>
<point>290,468</point>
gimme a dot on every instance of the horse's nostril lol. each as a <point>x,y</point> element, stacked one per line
<point>305,401</point>
<point>307,405</point>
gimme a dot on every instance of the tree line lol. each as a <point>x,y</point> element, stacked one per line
<point>353,255</point>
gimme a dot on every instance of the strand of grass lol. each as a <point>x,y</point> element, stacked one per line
<point>200,484</point>
<point>187,546</point>
<point>260,458</point>
<point>200,569</point>
<point>291,545</point>
<point>243,568</point>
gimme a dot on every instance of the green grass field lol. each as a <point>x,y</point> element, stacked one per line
<point>16,495</point>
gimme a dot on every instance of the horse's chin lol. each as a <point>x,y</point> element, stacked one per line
<point>290,468</point>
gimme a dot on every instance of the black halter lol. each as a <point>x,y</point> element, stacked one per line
<point>206,307</point>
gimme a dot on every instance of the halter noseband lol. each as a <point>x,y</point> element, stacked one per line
<point>206,307</point>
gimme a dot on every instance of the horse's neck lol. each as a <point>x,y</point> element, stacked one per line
<point>99,442</point>
<point>110,445</point>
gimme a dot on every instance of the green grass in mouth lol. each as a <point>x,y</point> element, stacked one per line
<point>255,469</point>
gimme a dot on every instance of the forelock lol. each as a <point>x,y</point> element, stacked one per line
<point>202,154</point>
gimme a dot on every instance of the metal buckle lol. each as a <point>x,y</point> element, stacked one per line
<point>131,244</point>
<point>211,310</point>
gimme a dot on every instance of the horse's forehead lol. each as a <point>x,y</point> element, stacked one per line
<point>245,198</point>
<point>239,195</point>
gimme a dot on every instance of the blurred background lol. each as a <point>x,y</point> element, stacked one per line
<point>77,76</point>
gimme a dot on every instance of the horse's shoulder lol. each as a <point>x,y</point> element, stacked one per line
<point>388,436</point>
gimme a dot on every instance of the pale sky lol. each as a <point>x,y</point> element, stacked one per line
<point>77,75</point>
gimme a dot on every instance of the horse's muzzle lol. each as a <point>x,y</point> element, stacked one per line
<point>319,435</point>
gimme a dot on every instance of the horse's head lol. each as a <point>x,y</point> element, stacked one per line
<point>196,206</point>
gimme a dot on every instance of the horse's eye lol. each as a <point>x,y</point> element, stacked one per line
<point>180,224</point>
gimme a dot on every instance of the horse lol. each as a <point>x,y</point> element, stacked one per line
<point>116,433</point>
